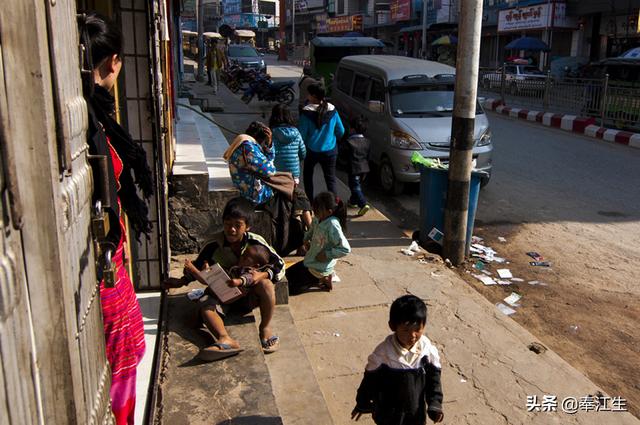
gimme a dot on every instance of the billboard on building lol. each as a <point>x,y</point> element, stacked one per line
<point>231,7</point>
<point>400,10</point>
<point>535,17</point>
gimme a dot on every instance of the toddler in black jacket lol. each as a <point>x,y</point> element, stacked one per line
<point>401,384</point>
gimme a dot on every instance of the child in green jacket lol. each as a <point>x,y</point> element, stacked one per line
<point>325,242</point>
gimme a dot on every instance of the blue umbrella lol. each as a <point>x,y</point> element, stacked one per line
<point>528,43</point>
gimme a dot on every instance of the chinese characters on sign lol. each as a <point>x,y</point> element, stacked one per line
<point>572,405</point>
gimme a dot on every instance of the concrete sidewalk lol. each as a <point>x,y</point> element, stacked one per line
<point>488,368</point>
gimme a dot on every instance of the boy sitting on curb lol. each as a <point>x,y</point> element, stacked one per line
<point>226,248</point>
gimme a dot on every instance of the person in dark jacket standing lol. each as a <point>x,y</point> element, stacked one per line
<point>358,147</point>
<point>401,384</point>
<point>320,127</point>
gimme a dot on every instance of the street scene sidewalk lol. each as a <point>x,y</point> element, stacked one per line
<point>494,371</point>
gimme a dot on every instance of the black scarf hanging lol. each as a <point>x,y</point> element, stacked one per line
<point>136,173</point>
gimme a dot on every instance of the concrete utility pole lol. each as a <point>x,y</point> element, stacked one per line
<point>464,112</point>
<point>282,51</point>
<point>424,29</point>
<point>200,14</point>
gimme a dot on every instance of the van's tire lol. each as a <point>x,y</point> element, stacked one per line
<point>388,180</point>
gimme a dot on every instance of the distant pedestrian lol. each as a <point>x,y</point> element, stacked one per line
<point>216,60</point>
<point>401,384</point>
<point>358,147</point>
<point>287,141</point>
<point>321,127</point>
<point>303,86</point>
<point>325,242</point>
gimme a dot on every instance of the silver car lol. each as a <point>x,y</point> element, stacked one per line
<point>408,104</point>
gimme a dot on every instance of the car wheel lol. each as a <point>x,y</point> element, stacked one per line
<point>388,179</point>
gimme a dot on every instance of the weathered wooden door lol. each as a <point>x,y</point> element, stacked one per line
<point>54,369</point>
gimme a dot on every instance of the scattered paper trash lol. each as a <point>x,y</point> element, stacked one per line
<point>195,294</point>
<point>336,334</point>
<point>504,273</point>
<point>436,235</point>
<point>503,282</point>
<point>574,329</point>
<point>434,274</point>
<point>476,239</point>
<point>535,256</point>
<point>414,247</point>
<point>505,309</point>
<point>485,279</point>
<point>540,263</point>
<point>533,282</point>
<point>407,252</point>
<point>463,380</point>
<point>513,299</point>
<point>516,279</point>
<point>485,271</point>
<point>501,239</point>
<point>335,278</point>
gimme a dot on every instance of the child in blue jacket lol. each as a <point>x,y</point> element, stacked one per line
<point>321,127</point>
<point>325,242</point>
<point>287,141</point>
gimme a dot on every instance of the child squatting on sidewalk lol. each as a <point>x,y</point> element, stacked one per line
<point>253,265</point>
<point>401,384</point>
<point>325,242</point>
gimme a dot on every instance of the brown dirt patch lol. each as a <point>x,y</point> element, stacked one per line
<point>595,330</point>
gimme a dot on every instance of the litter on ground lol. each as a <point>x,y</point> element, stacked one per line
<point>504,273</point>
<point>485,279</point>
<point>505,309</point>
<point>501,239</point>
<point>513,299</point>
<point>516,279</point>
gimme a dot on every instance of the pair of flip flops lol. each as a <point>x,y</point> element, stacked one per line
<point>218,351</point>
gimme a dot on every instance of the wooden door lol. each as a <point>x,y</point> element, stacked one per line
<point>54,368</point>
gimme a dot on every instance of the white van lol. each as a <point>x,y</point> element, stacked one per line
<point>408,105</point>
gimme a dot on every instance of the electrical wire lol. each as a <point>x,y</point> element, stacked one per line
<point>208,118</point>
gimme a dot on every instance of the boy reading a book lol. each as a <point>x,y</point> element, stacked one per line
<point>226,249</point>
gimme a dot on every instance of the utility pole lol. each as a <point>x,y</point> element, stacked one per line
<point>424,29</point>
<point>293,25</point>
<point>282,51</point>
<point>463,122</point>
<point>200,14</point>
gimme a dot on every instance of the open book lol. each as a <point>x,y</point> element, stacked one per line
<point>216,279</point>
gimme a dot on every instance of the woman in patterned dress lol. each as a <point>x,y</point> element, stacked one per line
<point>127,172</point>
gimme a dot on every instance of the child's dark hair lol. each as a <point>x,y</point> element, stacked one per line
<point>359,125</point>
<point>408,309</point>
<point>281,116</point>
<point>328,201</point>
<point>259,252</point>
<point>239,209</point>
<point>259,131</point>
<point>316,90</point>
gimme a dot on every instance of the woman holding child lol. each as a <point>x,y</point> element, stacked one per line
<point>253,172</point>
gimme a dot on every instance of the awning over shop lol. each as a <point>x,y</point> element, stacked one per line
<point>245,33</point>
<point>346,42</point>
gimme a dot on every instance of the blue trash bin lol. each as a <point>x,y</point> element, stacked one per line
<point>433,199</point>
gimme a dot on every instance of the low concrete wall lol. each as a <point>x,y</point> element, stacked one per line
<point>195,213</point>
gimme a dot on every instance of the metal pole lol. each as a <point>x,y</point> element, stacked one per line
<point>503,82</point>
<point>547,92</point>
<point>282,51</point>
<point>463,122</point>
<point>424,29</point>
<point>603,107</point>
<point>200,12</point>
<point>293,25</point>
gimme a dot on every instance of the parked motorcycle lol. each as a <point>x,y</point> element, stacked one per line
<point>269,91</point>
<point>237,77</point>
